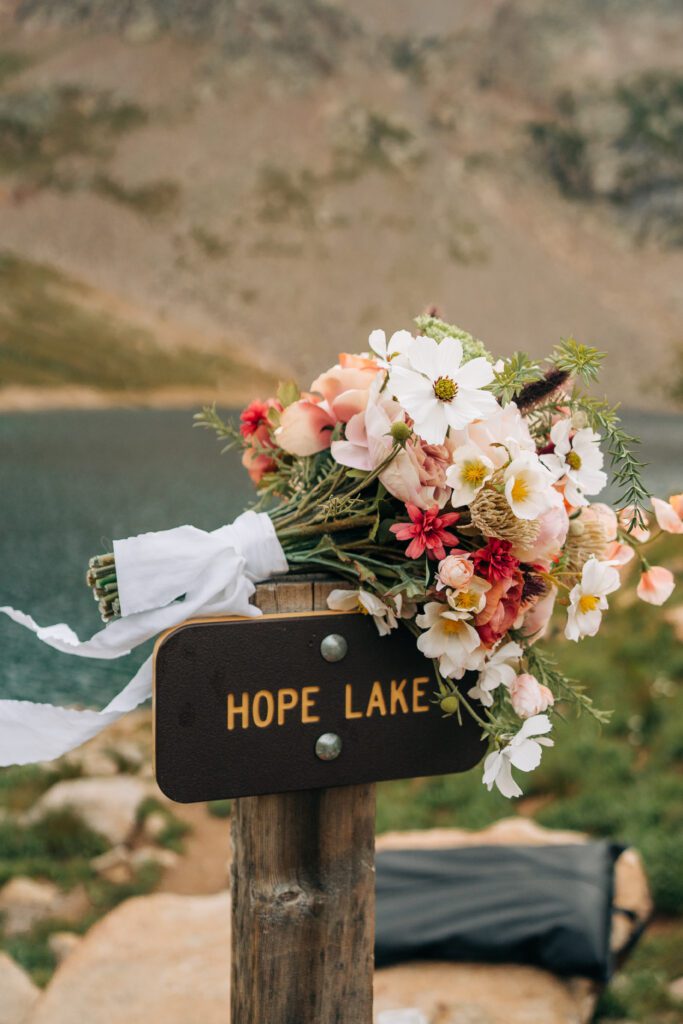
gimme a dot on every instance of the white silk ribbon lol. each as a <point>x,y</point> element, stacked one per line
<point>214,573</point>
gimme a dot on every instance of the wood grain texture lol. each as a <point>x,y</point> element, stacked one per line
<point>303,888</point>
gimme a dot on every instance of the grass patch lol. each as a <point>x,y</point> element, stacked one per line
<point>12,62</point>
<point>49,338</point>
<point>59,848</point>
<point>21,785</point>
<point>219,808</point>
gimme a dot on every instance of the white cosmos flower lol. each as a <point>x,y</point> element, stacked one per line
<point>578,460</point>
<point>497,671</point>
<point>394,348</point>
<point>437,392</point>
<point>529,486</point>
<point>523,751</point>
<point>468,473</point>
<point>447,637</point>
<point>369,604</point>
<point>588,599</point>
<point>470,599</point>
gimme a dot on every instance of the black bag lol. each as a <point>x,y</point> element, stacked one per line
<point>549,906</point>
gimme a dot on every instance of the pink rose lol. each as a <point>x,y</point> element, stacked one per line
<point>503,602</point>
<point>656,585</point>
<point>305,428</point>
<point>344,387</point>
<point>416,476</point>
<point>454,571</point>
<point>554,525</point>
<point>529,697</point>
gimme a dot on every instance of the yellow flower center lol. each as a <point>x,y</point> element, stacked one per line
<point>574,460</point>
<point>520,489</point>
<point>467,600</point>
<point>450,626</point>
<point>588,603</point>
<point>445,389</point>
<point>362,609</point>
<point>473,473</point>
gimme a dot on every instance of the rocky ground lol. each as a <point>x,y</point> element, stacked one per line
<point>119,906</point>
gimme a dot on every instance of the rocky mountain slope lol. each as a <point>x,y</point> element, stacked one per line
<point>271,181</point>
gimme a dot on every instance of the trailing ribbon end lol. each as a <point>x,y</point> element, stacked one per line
<point>215,572</point>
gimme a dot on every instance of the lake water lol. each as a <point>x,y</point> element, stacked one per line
<point>70,482</point>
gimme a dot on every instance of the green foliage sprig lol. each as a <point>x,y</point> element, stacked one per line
<point>518,371</point>
<point>433,327</point>
<point>578,359</point>
<point>544,667</point>
<point>209,419</point>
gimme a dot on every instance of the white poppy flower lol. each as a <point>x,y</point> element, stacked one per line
<point>470,599</point>
<point>529,486</point>
<point>523,751</point>
<point>588,599</point>
<point>367,603</point>
<point>394,348</point>
<point>578,460</point>
<point>437,392</point>
<point>497,671</point>
<point>447,637</point>
<point>468,473</point>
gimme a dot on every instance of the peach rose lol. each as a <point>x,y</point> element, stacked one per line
<point>529,697</point>
<point>335,381</point>
<point>305,428</point>
<point>454,571</point>
<point>503,602</point>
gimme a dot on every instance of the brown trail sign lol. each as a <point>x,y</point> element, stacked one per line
<point>298,713</point>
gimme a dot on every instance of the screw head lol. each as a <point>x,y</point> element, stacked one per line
<point>328,746</point>
<point>333,647</point>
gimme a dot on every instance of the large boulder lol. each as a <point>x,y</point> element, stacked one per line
<point>106,805</point>
<point>18,994</point>
<point>24,902</point>
<point>155,958</point>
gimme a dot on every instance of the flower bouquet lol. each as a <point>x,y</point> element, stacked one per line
<point>455,493</point>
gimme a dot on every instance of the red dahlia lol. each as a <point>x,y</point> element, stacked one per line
<point>427,531</point>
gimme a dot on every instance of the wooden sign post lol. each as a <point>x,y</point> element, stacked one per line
<point>297,714</point>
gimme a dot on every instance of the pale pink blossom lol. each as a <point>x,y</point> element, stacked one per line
<point>305,427</point>
<point>618,554</point>
<point>669,514</point>
<point>535,622</point>
<point>656,585</point>
<point>529,697</point>
<point>454,571</point>
<point>554,524</point>
<point>639,533</point>
<point>504,426</point>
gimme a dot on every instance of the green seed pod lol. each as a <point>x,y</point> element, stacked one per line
<point>400,431</point>
<point>449,704</point>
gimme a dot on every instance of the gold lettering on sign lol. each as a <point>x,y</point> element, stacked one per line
<point>286,700</point>
<point>350,713</point>
<point>262,721</point>
<point>307,703</point>
<point>238,709</point>
<point>398,696</point>
<point>376,701</point>
<point>418,693</point>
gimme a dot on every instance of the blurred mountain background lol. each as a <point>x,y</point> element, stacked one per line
<point>197,196</point>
